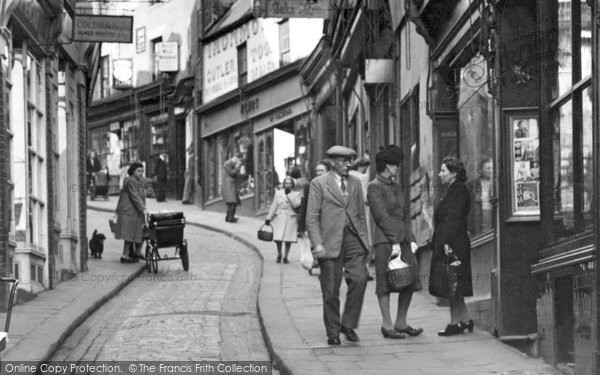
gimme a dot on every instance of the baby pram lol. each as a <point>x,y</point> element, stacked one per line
<point>99,185</point>
<point>165,229</point>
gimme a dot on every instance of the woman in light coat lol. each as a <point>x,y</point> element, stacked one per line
<point>283,216</point>
<point>131,213</point>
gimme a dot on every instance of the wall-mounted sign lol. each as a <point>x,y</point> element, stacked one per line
<point>110,29</point>
<point>292,8</point>
<point>123,73</point>
<point>140,40</point>
<point>248,106</point>
<point>168,56</point>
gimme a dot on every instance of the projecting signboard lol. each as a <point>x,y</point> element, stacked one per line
<point>109,29</point>
<point>292,8</point>
<point>168,56</point>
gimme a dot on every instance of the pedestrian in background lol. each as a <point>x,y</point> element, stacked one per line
<point>160,177</point>
<point>452,247</point>
<point>336,224</point>
<point>391,236</point>
<point>322,167</point>
<point>188,188</point>
<point>283,216</point>
<point>131,214</point>
<point>229,188</point>
<point>359,169</point>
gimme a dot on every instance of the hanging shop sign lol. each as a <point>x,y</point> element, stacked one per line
<point>168,56</point>
<point>122,74</point>
<point>109,29</point>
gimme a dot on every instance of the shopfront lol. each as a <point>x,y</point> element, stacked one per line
<point>566,270</point>
<point>268,126</point>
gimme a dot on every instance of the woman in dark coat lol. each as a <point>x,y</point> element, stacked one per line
<point>451,244</point>
<point>391,235</point>
<point>131,212</point>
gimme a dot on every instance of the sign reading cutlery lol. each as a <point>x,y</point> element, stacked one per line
<point>110,29</point>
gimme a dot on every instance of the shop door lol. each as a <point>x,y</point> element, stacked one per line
<point>266,176</point>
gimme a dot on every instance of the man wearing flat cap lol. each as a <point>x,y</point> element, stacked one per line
<point>336,225</point>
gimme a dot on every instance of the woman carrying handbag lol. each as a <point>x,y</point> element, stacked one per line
<point>450,273</point>
<point>283,217</point>
<point>392,238</point>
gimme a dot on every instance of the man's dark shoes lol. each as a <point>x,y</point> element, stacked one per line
<point>451,329</point>
<point>350,334</point>
<point>334,341</point>
<point>410,331</point>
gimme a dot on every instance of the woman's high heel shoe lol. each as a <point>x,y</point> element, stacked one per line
<point>278,259</point>
<point>468,325</point>
<point>391,334</point>
<point>451,329</point>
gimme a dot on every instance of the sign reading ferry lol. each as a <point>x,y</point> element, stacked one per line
<point>110,29</point>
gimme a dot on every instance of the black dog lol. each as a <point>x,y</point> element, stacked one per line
<point>97,244</point>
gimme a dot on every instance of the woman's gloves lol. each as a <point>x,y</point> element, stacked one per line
<point>267,222</point>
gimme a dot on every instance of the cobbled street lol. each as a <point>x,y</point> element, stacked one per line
<point>207,313</point>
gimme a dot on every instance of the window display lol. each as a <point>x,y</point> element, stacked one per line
<point>525,163</point>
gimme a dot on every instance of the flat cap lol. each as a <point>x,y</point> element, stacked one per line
<point>341,151</point>
<point>391,154</point>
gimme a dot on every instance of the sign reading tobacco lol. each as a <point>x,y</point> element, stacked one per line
<point>110,29</point>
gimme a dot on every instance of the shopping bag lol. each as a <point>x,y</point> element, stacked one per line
<point>306,258</point>
<point>112,223</point>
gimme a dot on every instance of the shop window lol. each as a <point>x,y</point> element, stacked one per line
<point>284,42</point>
<point>6,58</point>
<point>409,117</point>
<point>129,153</point>
<point>221,148</point>
<point>475,110</point>
<point>242,58</point>
<point>160,138</point>
<point>105,74</point>
<point>571,117</point>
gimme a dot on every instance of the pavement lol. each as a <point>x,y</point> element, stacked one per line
<point>290,309</point>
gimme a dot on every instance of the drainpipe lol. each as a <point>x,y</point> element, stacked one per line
<point>596,151</point>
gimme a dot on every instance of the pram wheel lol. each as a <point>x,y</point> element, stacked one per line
<point>183,253</point>
<point>155,260</point>
<point>148,258</point>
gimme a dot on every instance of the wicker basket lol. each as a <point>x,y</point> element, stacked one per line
<point>400,278</point>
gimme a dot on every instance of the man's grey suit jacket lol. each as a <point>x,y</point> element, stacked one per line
<point>326,214</point>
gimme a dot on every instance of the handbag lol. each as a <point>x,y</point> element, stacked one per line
<point>444,278</point>
<point>265,235</point>
<point>399,274</point>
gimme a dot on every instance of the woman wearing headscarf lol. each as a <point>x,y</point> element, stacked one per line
<point>283,217</point>
<point>391,236</point>
<point>452,247</point>
<point>131,213</point>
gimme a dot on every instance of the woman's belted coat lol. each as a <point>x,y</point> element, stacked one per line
<point>130,211</point>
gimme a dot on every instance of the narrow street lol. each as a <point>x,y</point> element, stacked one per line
<point>207,313</point>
